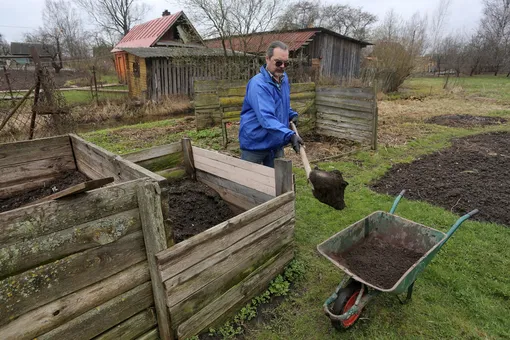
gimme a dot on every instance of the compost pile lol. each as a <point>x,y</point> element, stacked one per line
<point>378,262</point>
<point>195,207</point>
<point>65,180</point>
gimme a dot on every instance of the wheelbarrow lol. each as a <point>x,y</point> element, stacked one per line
<point>353,293</point>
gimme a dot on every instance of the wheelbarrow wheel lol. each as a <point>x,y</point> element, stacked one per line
<point>345,300</point>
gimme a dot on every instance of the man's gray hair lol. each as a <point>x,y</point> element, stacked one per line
<point>273,45</point>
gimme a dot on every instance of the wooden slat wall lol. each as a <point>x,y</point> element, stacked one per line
<point>214,100</point>
<point>175,76</point>
<point>27,165</point>
<point>75,268</point>
<point>251,175</point>
<point>210,276</point>
<point>349,113</point>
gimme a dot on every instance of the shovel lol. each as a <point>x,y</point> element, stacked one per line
<point>327,186</point>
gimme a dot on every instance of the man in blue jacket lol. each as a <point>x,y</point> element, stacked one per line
<point>266,112</point>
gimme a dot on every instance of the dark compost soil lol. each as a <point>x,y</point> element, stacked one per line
<point>195,207</point>
<point>465,120</point>
<point>378,262</point>
<point>472,174</point>
<point>64,181</point>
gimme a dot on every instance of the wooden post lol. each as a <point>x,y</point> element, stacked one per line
<point>95,83</point>
<point>16,107</point>
<point>189,163</point>
<point>151,217</point>
<point>38,72</point>
<point>283,176</point>
<point>375,120</point>
<point>9,85</point>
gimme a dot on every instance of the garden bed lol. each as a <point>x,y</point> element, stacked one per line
<point>465,120</point>
<point>471,174</point>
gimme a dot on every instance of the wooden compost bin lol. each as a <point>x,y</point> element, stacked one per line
<point>101,264</point>
<point>78,267</point>
<point>209,277</point>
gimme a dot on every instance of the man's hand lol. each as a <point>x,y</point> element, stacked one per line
<point>295,120</point>
<point>296,141</point>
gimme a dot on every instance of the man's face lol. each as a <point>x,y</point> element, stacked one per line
<point>280,57</point>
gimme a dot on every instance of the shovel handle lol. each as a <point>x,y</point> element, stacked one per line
<point>302,153</point>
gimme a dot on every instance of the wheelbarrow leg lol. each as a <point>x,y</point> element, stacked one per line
<point>409,294</point>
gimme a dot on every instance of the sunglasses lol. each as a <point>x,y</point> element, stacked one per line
<point>279,63</point>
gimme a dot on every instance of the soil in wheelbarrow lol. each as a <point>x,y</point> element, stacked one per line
<point>195,207</point>
<point>65,180</point>
<point>471,174</point>
<point>378,262</point>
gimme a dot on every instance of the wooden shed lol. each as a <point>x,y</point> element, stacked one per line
<point>332,54</point>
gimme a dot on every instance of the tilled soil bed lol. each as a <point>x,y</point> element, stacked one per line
<point>66,180</point>
<point>195,207</point>
<point>465,120</point>
<point>472,174</point>
<point>378,262</point>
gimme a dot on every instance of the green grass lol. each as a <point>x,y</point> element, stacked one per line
<point>481,86</point>
<point>85,97</point>
<point>463,293</point>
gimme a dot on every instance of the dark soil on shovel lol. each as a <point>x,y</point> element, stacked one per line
<point>378,262</point>
<point>329,187</point>
<point>195,207</point>
<point>64,181</point>
<point>465,120</point>
<point>472,174</point>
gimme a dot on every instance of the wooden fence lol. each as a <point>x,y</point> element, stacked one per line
<point>349,113</point>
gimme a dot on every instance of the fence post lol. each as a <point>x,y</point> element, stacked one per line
<point>9,85</point>
<point>151,217</point>
<point>95,83</point>
<point>38,72</point>
<point>283,176</point>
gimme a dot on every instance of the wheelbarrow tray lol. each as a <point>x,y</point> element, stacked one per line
<point>391,229</point>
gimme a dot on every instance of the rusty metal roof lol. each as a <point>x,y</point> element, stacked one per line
<point>258,42</point>
<point>174,52</point>
<point>148,33</point>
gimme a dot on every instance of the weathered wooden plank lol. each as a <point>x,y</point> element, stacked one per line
<point>19,257</point>
<point>234,298</point>
<point>345,123</point>
<point>375,127</point>
<point>150,335</point>
<point>340,117</point>
<point>238,175</point>
<point>107,163</point>
<point>37,220</point>
<point>232,114</point>
<point>189,159</point>
<point>38,286</point>
<point>34,150</point>
<point>163,162</point>
<point>173,173</point>
<point>206,99</point>
<point>283,176</point>
<point>155,152</point>
<point>361,104</point>
<point>302,96</point>
<point>173,262</point>
<point>231,101</point>
<point>345,134</point>
<point>302,87</point>
<point>149,203</point>
<point>344,113</point>
<point>343,106</point>
<point>105,316</point>
<point>336,125</point>
<point>54,317</point>
<point>76,189</point>
<point>132,328</point>
<point>189,297</point>
<point>364,92</point>
<point>16,174</point>
<point>232,192</point>
<point>194,278</point>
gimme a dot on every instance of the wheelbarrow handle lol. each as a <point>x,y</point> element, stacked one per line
<point>397,200</point>
<point>457,225</point>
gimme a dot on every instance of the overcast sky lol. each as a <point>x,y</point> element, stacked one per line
<point>18,17</point>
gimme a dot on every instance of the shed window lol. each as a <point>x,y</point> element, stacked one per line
<point>136,69</point>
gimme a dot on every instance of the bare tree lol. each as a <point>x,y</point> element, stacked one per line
<point>117,16</point>
<point>437,30</point>
<point>495,27</point>
<point>455,52</point>
<point>390,27</point>
<point>476,53</point>
<point>343,19</point>
<point>62,33</point>
<point>4,46</point>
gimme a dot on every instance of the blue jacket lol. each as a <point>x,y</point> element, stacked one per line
<point>266,113</point>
